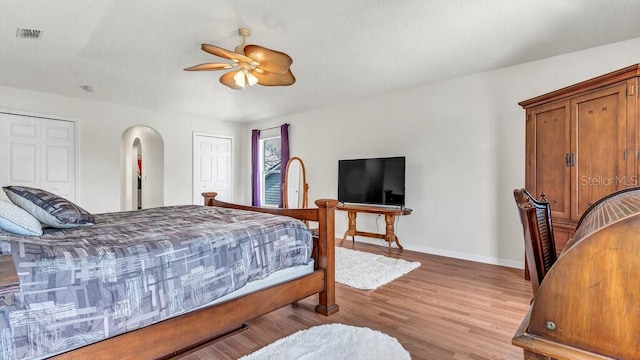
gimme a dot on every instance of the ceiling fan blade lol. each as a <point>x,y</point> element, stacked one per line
<point>270,60</point>
<point>209,66</point>
<point>227,79</point>
<point>223,53</point>
<point>272,79</point>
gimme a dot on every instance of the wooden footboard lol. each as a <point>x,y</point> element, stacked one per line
<point>167,338</point>
<point>324,254</point>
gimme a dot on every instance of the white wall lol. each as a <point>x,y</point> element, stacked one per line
<point>464,144</point>
<point>100,129</point>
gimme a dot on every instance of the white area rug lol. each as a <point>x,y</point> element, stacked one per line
<point>367,271</point>
<point>333,341</point>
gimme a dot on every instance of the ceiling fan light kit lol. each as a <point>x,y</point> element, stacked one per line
<point>253,65</point>
<point>244,78</point>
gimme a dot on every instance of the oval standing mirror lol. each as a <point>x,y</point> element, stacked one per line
<point>295,184</point>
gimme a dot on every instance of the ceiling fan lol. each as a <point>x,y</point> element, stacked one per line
<point>255,65</point>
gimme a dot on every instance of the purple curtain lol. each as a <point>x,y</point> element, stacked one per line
<point>284,158</point>
<point>255,167</point>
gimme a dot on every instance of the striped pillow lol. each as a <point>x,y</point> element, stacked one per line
<point>49,208</point>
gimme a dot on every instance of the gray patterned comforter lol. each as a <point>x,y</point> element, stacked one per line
<point>132,269</point>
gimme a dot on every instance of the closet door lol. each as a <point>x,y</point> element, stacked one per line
<point>38,152</point>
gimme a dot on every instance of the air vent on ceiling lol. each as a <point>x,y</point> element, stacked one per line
<point>29,33</point>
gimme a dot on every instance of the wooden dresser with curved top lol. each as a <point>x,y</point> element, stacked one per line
<point>588,305</point>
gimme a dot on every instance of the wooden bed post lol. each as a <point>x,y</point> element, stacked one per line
<point>209,197</point>
<point>326,255</point>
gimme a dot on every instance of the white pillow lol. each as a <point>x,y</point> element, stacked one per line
<point>17,221</point>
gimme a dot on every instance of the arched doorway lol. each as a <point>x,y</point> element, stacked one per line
<point>141,168</point>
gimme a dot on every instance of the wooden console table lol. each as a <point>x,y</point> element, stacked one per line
<point>389,218</point>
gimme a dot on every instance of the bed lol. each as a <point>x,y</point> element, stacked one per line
<point>149,284</point>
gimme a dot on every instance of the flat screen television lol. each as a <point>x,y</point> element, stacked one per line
<point>378,181</point>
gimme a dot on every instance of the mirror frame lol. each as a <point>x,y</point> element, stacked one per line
<point>305,186</point>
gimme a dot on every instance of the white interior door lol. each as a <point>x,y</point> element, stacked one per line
<point>58,158</point>
<point>38,152</point>
<point>212,170</point>
<point>19,158</point>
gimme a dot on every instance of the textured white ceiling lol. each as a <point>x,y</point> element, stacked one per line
<point>133,52</point>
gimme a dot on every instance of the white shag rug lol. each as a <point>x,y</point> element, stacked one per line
<point>333,341</point>
<point>366,271</point>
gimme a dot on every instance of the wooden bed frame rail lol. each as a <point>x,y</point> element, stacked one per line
<point>173,336</point>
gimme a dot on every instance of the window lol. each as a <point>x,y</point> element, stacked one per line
<point>270,168</point>
<point>269,148</point>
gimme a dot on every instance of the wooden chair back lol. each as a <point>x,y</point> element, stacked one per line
<point>539,245</point>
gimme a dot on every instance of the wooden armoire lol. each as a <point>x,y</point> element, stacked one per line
<point>582,144</point>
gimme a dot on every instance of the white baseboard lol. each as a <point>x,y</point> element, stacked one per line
<point>441,252</point>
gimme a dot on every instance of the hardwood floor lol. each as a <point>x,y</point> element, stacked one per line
<point>445,309</point>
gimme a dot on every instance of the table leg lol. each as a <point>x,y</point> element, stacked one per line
<point>346,233</point>
<point>351,230</point>
<point>390,235</point>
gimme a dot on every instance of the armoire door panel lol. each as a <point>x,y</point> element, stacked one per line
<point>551,146</point>
<point>560,238</point>
<point>599,142</point>
<point>631,177</point>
